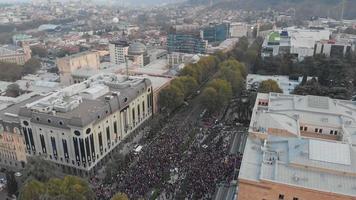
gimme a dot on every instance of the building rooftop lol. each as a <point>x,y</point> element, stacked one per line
<point>280,149</point>
<point>86,102</point>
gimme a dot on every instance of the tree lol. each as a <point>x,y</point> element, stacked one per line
<point>68,188</point>
<point>39,51</point>
<point>10,71</point>
<point>39,169</point>
<point>268,86</point>
<point>11,183</point>
<point>223,89</point>
<point>171,97</point>
<point>209,99</point>
<point>31,66</point>
<point>120,196</point>
<point>13,90</point>
<point>32,190</point>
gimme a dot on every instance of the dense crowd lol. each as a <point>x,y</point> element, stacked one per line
<point>176,164</point>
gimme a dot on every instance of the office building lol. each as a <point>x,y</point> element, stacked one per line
<point>334,48</point>
<point>68,64</point>
<point>216,32</point>
<point>299,147</point>
<point>186,39</point>
<point>15,54</point>
<point>118,51</point>
<point>298,42</point>
<point>79,126</point>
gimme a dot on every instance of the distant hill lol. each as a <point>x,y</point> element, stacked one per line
<point>304,8</point>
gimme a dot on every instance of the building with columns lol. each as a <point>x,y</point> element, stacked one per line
<point>299,147</point>
<point>78,126</point>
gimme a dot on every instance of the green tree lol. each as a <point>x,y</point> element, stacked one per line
<point>32,190</point>
<point>11,183</point>
<point>171,97</point>
<point>31,66</point>
<point>13,90</point>
<point>120,196</point>
<point>210,99</point>
<point>39,51</point>
<point>10,72</point>
<point>223,89</point>
<point>268,86</point>
<point>40,169</point>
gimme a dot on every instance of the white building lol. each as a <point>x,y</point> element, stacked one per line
<point>286,83</point>
<point>238,29</point>
<point>338,48</point>
<point>118,51</point>
<point>78,126</point>
<point>295,41</point>
<point>300,147</point>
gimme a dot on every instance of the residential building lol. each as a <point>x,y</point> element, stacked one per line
<point>216,32</point>
<point>299,147</point>
<point>186,39</point>
<point>15,54</point>
<point>79,126</point>
<point>68,64</point>
<point>286,83</point>
<point>118,51</point>
<point>334,48</point>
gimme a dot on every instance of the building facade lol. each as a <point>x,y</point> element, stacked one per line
<point>334,48</point>
<point>80,125</point>
<point>15,54</point>
<point>186,40</point>
<point>68,64</point>
<point>299,147</point>
<point>118,51</point>
<point>216,32</point>
<point>238,30</point>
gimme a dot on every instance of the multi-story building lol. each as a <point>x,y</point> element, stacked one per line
<point>297,42</point>
<point>137,53</point>
<point>68,64</point>
<point>238,29</point>
<point>78,126</point>
<point>216,32</point>
<point>334,48</point>
<point>300,147</point>
<point>186,39</point>
<point>12,143</point>
<point>118,51</point>
<point>15,54</point>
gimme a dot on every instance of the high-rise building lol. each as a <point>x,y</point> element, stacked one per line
<point>68,64</point>
<point>299,147</point>
<point>216,32</point>
<point>118,51</point>
<point>78,126</point>
<point>186,39</point>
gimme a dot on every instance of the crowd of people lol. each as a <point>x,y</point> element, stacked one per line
<point>175,164</point>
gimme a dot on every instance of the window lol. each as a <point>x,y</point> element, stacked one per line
<point>281,196</point>
<point>305,128</point>
<point>316,130</point>
<point>295,198</point>
<point>320,130</point>
<point>331,132</point>
<point>335,132</point>
<point>301,128</point>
